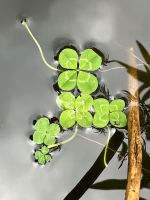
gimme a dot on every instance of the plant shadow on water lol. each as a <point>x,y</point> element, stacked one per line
<point>118,138</point>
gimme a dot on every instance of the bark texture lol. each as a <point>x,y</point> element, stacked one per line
<point>134,136</point>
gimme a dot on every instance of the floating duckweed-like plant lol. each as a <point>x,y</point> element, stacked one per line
<point>76,71</point>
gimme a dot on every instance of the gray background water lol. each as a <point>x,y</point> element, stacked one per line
<point>26,88</point>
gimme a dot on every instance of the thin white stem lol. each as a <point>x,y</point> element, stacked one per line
<point>38,46</point>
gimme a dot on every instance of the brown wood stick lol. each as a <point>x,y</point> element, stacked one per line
<point>134,136</point>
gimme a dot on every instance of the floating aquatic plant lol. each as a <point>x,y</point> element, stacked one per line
<point>76,72</point>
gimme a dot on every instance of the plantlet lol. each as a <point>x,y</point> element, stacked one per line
<point>42,155</point>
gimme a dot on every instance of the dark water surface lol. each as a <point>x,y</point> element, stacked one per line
<point>26,88</point>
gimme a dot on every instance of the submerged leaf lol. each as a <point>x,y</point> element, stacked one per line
<point>118,119</point>
<point>86,82</point>
<point>67,80</point>
<point>90,60</point>
<point>68,58</point>
<point>67,118</point>
<point>83,103</point>
<point>66,101</point>
<point>84,119</point>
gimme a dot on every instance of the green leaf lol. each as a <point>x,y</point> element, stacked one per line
<point>83,103</point>
<point>48,158</point>
<point>42,124</point>
<point>44,150</point>
<point>68,58</point>
<point>118,119</point>
<point>90,60</point>
<point>42,160</point>
<point>53,130</point>
<point>101,106</point>
<point>101,120</point>
<point>86,82</point>
<point>37,155</point>
<point>38,137</point>
<point>66,101</point>
<point>67,80</point>
<point>49,140</point>
<point>84,119</point>
<point>117,105</point>
<point>67,118</point>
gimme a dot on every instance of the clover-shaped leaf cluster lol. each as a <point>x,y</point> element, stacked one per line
<point>42,155</point>
<point>106,112</point>
<point>75,110</point>
<point>89,61</point>
<point>45,132</point>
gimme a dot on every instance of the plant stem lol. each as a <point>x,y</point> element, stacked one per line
<point>134,138</point>
<point>65,141</point>
<point>105,152</point>
<point>24,23</point>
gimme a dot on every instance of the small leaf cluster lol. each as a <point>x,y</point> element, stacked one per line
<point>45,134</point>
<point>89,61</point>
<point>42,155</point>
<point>77,110</point>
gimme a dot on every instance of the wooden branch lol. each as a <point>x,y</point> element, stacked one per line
<point>134,136</point>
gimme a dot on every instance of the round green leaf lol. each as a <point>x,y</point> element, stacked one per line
<point>68,58</point>
<point>67,80</point>
<point>118,119</point>
<point>83,103</point>
<point>101,106</point>
<point>42,160</point>
<point>38,137</point>
<point>53,130</point>
<point>66,101</point>
<point>86,82</point>
<point>90,60</point>
<point>42,124</point>
<point>84,119</point>
<point>48,158</point>
<point>117,105</point>
<point>100,120</point>
<point>49,140</point>
<point>37,155</point>
<point>67,118</point>
<point>44,150</point>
